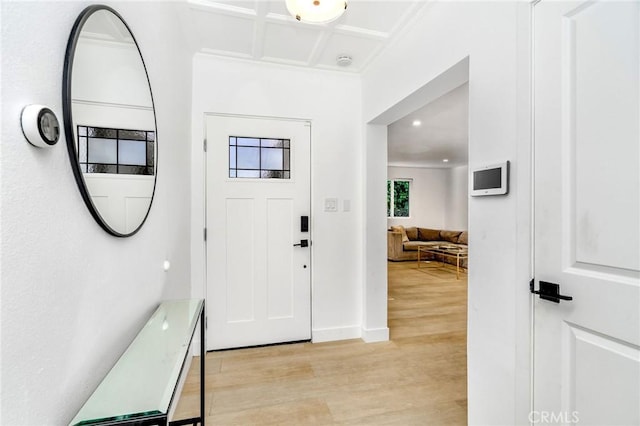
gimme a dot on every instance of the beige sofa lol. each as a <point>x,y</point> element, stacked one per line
<point>403,243</point>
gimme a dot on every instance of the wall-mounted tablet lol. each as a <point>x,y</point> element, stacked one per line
<point>490,180</point>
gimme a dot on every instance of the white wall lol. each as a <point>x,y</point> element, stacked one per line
<point>72,296</point>
<point>110,73</point>
<point>332,102</point>
<point>457,199</point>
<point>438,197</point>
<point>111,88</point>
<point>428,193</point>
<point>495,36</point>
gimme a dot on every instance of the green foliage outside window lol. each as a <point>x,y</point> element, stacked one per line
<point>398,197</point>
<point>388,198</point>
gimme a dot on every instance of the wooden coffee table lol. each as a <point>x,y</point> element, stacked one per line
<point>444,251</point>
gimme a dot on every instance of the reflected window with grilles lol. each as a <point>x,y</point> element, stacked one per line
<point>259,158</point>
<point>116,151</point>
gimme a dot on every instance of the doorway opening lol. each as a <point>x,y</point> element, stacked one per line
<point>426,141</point>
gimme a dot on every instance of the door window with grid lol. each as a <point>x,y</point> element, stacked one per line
<point>116,151</point>
<point>259,158</point>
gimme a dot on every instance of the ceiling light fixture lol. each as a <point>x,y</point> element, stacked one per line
<point>344,60</point>
<point>446,160</point>
<point>316,11</point>
<point>416,123</point>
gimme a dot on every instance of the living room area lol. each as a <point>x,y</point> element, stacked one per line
<point>427,235</point>
<point>427,176</point>
<point>427,181</point>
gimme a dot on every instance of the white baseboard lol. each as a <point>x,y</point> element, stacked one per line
<point>195,343</point>
<point>319,335</point>
<point>195,346</point>
<point>375,334</point>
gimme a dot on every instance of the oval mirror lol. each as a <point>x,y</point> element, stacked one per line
<point>109,121</point>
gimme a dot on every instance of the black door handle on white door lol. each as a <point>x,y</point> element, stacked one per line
<point>549,291</point>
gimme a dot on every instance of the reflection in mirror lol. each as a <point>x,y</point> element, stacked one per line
<point>110,121</point>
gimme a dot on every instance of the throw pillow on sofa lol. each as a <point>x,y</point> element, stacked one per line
<point>412,233</point>
<point>426,234</point>
<point>450,236</point>
<point>463,238</point>
<point>401,230</point>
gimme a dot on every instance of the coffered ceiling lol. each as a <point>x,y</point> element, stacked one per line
<point>264,30</point>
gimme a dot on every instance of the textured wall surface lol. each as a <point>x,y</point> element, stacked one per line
<point>72,296</point>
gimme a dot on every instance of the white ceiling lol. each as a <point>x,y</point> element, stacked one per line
<point>264,30</point>
<point>442,134</point>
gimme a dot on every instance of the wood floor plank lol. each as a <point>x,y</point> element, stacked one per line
<point>417,378</point>
<point>295,413</point>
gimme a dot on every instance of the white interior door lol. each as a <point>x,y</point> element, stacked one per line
<point>122,200</point>
<point>258,184</point>
<point>587,215</point>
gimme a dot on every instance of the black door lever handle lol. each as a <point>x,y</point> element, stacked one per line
<point>302,243</point>
<point>549,291</point>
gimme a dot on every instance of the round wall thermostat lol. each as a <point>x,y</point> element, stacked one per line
<point>40,126</point>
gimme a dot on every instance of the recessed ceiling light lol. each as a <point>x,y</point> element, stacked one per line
<point>445,160</point>
<point>416,123</point>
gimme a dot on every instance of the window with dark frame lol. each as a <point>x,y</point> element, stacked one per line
<point>259,158</point>
<point>116,151</point>
<point>398,198</point>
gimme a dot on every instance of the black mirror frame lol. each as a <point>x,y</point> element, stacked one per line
<point>68,117</point>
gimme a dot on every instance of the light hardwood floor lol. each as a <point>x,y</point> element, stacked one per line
<point>417,378</point>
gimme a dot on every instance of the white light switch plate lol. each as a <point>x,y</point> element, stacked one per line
<point>330,204</point>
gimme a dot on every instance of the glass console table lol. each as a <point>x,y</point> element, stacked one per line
<point>142,386</point>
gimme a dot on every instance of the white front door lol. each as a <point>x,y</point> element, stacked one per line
<point>587,215</point>
<point>258,185</point>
